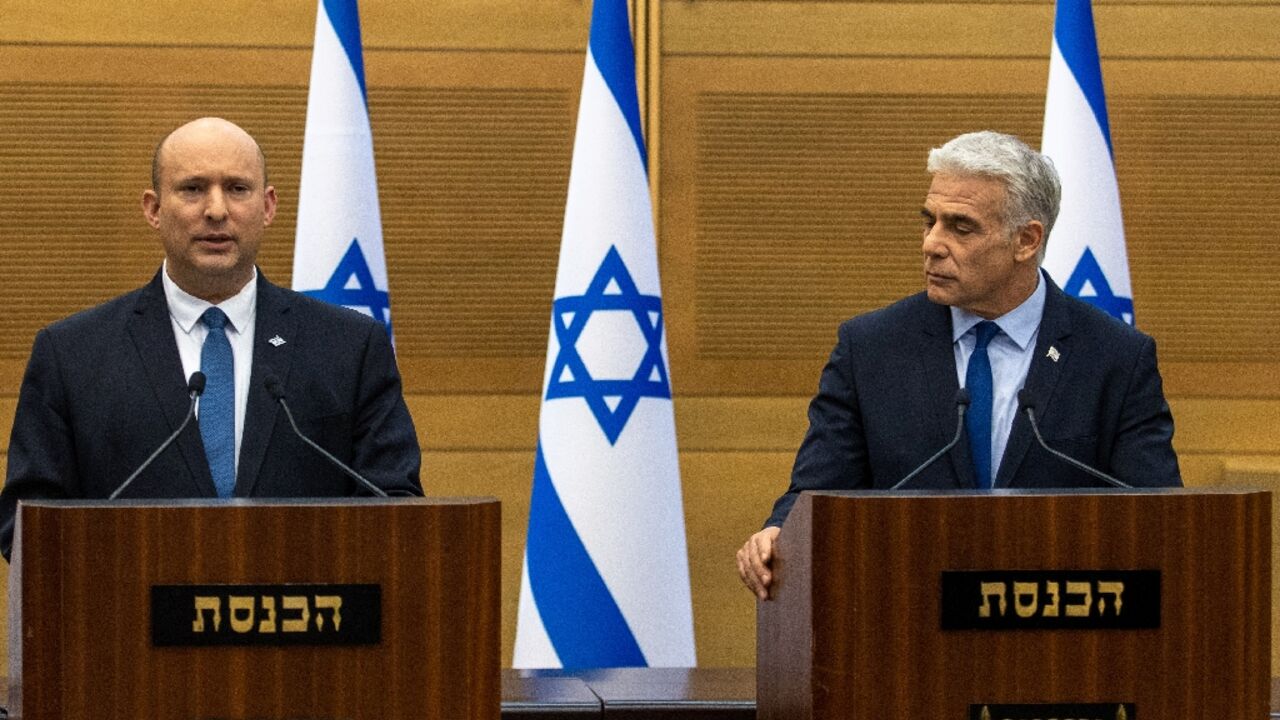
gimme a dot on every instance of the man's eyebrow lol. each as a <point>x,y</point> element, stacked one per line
<point>950,218</point>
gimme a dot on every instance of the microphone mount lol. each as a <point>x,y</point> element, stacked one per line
<point>962,404</point>
<point>273,386</point>
<point>1027,404</point>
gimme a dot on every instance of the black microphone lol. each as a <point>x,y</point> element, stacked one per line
<point>272,383</point>
<point>962,404</point>
<point>1027,405</point>
<point>195,387</point>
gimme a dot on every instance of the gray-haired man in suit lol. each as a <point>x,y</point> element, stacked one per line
<point>991,321</point>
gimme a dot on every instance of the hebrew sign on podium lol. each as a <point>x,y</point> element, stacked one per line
<point>1115,605</point>
<point>361,609</point>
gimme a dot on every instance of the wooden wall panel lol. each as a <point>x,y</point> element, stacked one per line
<point>1263,473</point>
<point>792,184</point>
<point>77,157</point>
<point>474,181</point>
<point>808,209</point>
<point>964,30</point>
<point>472,154</point>
<point>1196,170</point>
<point>483,25</point>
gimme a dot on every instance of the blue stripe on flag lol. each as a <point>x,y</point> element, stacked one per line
<point>345,16</point>
<point>1073,29</point>
<point>583,622</point>
<point>616,58</point>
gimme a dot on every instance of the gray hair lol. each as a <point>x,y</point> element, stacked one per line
<point>1034,191</point>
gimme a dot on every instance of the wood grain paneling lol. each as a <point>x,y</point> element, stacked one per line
<point>797,208</point>
<point>912,28</point>
<point>472,181</point>
<point>77,157</point>
<point>1195,172</point>
<point>1264,474</point>
<point>86,618</point>
<point>807,209</point>
<point>879,557</point>
<point>480,25</point>
<point>475,184</point>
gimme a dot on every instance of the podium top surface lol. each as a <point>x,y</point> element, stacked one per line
<point>255,502</point>
<point>1037,492</point>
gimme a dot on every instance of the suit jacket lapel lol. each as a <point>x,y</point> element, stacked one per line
<point>939,362</point>
<point>1042,377</point>
<point>152,333</point>
<point>273,322</point>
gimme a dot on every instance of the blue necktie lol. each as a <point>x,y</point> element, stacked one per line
<point>218,404</point>
<point>977,419</point>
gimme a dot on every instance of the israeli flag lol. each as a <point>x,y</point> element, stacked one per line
<point>1086,253</point>
<point>605,578</point>
<point>337,255</point>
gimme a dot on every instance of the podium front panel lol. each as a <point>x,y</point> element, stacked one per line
<point>856,625</point>
<point>270,585</point>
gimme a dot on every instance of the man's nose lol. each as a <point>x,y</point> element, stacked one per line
<point>932,244</point>
<point>215,208</point>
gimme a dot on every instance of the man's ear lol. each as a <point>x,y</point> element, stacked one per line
<point>1029,240</point>
<point>151,208</point>
<point>269,204</point>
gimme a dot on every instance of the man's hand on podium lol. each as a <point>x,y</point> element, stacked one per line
<point>753,561</point>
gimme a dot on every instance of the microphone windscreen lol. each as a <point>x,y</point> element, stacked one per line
<point>1025,401</point>
<point>962,397</point>
<point>196,383</point>
<point>272,383</point>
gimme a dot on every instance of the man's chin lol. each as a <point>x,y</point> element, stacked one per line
<point>939,295</point>
<point>223,270</point>
<point>216,264</point>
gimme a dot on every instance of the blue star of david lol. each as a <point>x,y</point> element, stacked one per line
<point>364,294</point>
<point>570,377</point>
<point>1089,271</point>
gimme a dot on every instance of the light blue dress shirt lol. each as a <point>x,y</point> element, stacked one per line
<point>1010,352</point>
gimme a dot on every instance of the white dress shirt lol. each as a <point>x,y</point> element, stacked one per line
<point>1010,352</point>
<point>185,310</point>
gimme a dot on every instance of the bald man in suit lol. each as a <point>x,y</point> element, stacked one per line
<point>106,386</point>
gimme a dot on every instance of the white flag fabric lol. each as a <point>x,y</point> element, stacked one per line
<point>605,578</point>
<point>337,254</point>
<point>1086,251</point>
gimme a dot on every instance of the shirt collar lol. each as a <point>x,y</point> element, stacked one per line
<point>186,308</point>
<point>1020,323</point>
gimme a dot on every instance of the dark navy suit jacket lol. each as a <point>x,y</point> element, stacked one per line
<point>886,403</point>
<point>105,387</point>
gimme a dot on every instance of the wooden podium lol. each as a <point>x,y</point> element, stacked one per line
<point>357,609</point>
<point>1146,605</point>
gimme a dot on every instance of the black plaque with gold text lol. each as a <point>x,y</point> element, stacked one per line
<point>201,615</point>
<point>1054,711</point>
<point>1050,599</point>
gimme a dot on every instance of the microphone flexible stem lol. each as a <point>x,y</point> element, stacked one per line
<point>962,404</point>
<point>350,473</point>
<point>1035,428</point>
<point>191,412</point>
